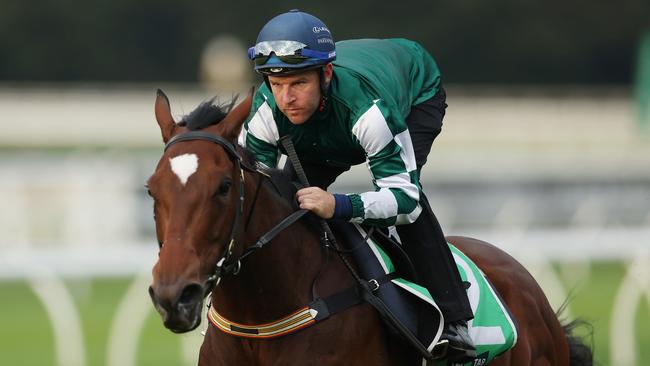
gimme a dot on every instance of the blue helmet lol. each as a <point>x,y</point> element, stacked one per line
<point>292,42</point>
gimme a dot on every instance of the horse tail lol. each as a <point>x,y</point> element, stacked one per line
<point>580,353</point>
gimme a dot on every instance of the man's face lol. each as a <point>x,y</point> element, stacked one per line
<point>297,95</point>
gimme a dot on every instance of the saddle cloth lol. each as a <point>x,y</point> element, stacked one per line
<point>493,329</point>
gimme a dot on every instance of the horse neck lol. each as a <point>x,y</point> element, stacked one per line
<point>276,279</point>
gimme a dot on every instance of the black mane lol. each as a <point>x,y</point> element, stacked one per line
<point>206,114</point>
<point>281,179</point>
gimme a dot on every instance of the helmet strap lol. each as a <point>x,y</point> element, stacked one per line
<point>266,81</point>
<point>323,100</point>
<point>321,79</point>
<point>324,87</point>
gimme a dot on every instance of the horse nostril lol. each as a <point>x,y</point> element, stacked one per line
<point>160,306</point>
<point>152,294</point>
<point>191,294</point>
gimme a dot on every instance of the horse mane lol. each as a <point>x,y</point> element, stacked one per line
<point>281,179</point>
<point>208,113</point>
<point>285,185</point>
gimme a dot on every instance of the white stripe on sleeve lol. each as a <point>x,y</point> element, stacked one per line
<point>408,218</point>
<point>241,140</point>
<point>372,131</point>
<point>379,205</point>
<point>401,181</point>
<point>407,154</point>
<point>263,126</point>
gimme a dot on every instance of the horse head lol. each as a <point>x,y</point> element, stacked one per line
<point>195,192</point>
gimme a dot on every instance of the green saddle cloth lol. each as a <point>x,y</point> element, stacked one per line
<point>492,329</point>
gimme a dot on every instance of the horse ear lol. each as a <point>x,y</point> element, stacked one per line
<point>236,117</point>
<point>164,116</point>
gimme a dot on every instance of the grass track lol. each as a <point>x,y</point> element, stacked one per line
<point>26,337</point>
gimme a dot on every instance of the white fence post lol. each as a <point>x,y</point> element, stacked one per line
<point>636,284</point>
<point>63,315</point>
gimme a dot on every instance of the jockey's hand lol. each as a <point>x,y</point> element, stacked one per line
<point>316,200</point>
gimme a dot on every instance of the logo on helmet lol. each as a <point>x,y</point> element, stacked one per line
<point>320,29</point>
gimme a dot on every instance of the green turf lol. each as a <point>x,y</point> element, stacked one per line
<point>593,302</point>
<point>593,299</point>
<point>158,346</point>
<point>26,337</point>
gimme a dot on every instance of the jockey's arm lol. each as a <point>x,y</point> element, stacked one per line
<point>383,135</point>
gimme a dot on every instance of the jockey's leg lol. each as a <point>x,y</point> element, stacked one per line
<point>436,269</point>
<point>425,242</point>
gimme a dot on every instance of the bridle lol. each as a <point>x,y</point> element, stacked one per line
<point>226,263</point>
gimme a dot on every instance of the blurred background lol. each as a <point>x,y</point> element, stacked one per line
<point>545,152</point>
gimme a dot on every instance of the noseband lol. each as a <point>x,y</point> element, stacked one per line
<point>224,260</point>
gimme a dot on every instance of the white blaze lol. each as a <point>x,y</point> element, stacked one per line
<point>184,166</point>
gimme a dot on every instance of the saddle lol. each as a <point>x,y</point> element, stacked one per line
<point>493,329</point>
<point>408,311</point>
<point>404,267</point>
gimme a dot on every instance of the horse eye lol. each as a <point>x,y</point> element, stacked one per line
<point>224,187</point>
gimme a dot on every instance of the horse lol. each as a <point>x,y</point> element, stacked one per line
<point>211,204</point>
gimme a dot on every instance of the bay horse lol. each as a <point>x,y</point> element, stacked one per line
<point>211,204</point>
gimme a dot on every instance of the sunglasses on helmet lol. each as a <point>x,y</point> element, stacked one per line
<point>290,52</point>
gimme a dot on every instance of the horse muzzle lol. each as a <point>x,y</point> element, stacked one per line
<point>180,310</point>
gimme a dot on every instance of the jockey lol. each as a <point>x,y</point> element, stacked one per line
<point>366,100</point>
